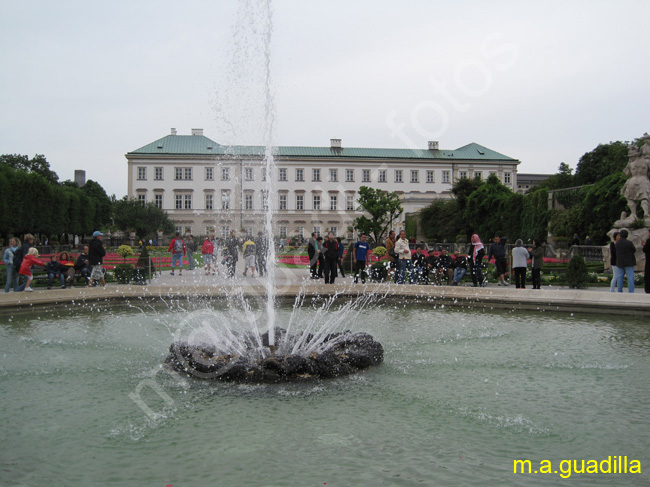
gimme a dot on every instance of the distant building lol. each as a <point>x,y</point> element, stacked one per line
<point>207,187</point>
<point>527,181</point>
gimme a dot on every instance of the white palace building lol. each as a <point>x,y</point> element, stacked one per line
<point>206,187</point>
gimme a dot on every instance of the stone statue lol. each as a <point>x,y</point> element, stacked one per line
<point>637,188</point>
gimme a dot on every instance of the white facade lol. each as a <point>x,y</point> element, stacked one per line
<point>316,189</point>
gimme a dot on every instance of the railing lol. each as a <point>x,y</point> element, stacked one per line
<point>591,253</point>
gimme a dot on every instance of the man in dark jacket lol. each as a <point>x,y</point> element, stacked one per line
<point>626,260</point>
<point>498,251</point>
<point>82,265</point>
<point>646,271</point>
<point>445,266</point>
<point>96,253</point>
<point>313,253</point>
<point>331,255</point>
<point>420,267</point>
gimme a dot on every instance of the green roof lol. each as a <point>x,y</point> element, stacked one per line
<point>201,145</point>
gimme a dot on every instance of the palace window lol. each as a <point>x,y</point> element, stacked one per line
<point>431,177</point>
<point>283,202</point>
<point>415,176</point>
<point>365,175</point>
<point>248,173</point>
<point>315,175</point>
<point>158,200</point>
<point>209,201</point>
<point>209,173</point>
<point>349,175</point>
<point>334,175</point>
<point>300,202</point>
<point>333,202</point>
<point>382,175</point>
<point>248,202</point>
<point>142,173</point>
<point>316,202</point>
<point>445,177</point>
<point>300,174</point>
<point>225,174</point>
<point>158,173</point>
<point>282,174</point>
<point>349,202</point>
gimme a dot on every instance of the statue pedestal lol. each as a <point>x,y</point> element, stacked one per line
<point>636,237</point>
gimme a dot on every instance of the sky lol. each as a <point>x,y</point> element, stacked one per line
<point>83,83</point>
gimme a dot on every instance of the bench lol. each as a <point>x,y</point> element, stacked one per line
<point>39,274</point>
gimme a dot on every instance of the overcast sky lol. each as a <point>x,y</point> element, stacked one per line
<point>544,82</point>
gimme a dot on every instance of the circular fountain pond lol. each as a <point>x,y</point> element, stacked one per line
<point>459,396</point>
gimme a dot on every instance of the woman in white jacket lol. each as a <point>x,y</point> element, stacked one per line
<point>519,257</point>
<point>403,259</point>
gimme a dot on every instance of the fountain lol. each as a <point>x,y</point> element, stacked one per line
<point>278,354</point>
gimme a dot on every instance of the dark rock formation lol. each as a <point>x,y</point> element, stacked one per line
<point>343,353</point>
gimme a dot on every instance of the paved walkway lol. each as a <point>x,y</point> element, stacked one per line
<point>290,282</point>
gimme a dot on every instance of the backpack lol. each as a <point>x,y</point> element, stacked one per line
<point>250,249</point>
<point>178,246</point>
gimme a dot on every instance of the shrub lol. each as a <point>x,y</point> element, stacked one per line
<point>379,252</point>
<point>125,251</point>
<point>576,274</point>
<point>378,272</point>
<point>124,272</point>
<point>143,262</point>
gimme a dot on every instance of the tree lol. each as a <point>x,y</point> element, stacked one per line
<point>604,160</point>
<point>603,205</point>
<point>442,221</point>
<point>493,209</point>
<point>462,190</point>
<point>38,165</point>
<point>535,216</point>
<point>562,179</point>
<point>144,219</point>
<point>383,208</point>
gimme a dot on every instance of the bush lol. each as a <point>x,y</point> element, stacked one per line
<point>143,262</point>
<point>125,251</point>
<point>378,272</point>
<point>123,273</point>
<point>576,274</point>
<point>379,251</point>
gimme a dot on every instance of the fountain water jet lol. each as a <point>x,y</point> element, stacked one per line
<point>322,349</point>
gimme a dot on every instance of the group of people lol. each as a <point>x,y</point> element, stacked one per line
<point>253,250</point>
<point>21,258</point>
<point>325,257</point>
<point>622,254</point>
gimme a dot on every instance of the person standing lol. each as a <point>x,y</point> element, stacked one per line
<point>359,256</point>
<point>31,259</point>
<point>404,263</point>
<point>339,260</point>
<point>321,257</point>
<point>18,258</point>
<point>8,259</point>
<point>616,272</point>
<point>626,260</point>
<point>498,251</point>
<point>537,253</point>
<point>519,263</point>
<point>232,249</point>
<point>476,254</point>
<point>313,251</point>
<point>248,251</point>
<point>96,253</point>
<point>177,248</point>
<point>331,254</point>
<point>191,248</point>
<point>646,270</point>
<point>390,245</point>
<point>206,252</point>
<point>261,247</point>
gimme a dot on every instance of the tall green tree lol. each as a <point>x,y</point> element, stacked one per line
<point>38,164</point>
<point>493,209</point>
<point>144,219</point>
<point>599,163</point>
<point>564,178</point>
<point>442,221</point>
<point>383,207</point>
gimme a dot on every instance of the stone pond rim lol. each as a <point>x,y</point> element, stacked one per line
<point>347,353</point>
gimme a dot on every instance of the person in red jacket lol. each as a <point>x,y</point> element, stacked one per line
<point>31,259</point>
<point>206,250</point>
<point>177,248</point>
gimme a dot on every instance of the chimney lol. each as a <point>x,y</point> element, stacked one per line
<point>197,131</point>
<point>173,131</point>
<point>433,145</point>
<point>335,143</point>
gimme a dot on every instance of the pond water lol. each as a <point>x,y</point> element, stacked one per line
<point>461,394</point>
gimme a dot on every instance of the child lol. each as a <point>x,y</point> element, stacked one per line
<point>54,269</point>
<point>26,267</point>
